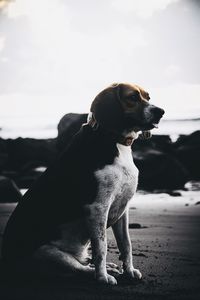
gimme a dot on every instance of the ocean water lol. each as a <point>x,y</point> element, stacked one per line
<point>174,128</point>
<point>46,126</point>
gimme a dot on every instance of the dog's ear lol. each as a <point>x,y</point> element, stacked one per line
<point>107,109</point>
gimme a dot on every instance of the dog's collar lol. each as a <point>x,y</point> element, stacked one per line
<point>124,140</point>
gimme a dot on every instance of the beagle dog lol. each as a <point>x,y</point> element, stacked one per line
<point>86,190</point>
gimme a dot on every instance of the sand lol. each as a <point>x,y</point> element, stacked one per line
<point>166,249</point>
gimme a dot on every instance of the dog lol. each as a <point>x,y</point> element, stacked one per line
<point>86,190</point>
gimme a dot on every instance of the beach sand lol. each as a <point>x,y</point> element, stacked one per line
<point>166,249</point>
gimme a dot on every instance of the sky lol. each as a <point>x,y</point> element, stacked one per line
<point>56,55</point>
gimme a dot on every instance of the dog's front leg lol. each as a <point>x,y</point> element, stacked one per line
<point>97,223</point>
<point>120,229</point>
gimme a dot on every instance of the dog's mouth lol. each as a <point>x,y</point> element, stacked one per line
<point>149,126</point>
<point>146,130</point>
<point>152,123</point>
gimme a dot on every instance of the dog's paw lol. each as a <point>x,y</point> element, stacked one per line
<point>133,274</point>
<point>107,279</point>
<point>111,265</point>
<point>111,279</point>
<point>112,269</point>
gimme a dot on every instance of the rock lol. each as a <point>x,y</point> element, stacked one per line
<point>26,153</point>
<point>3,154</point>
<point>159,170</point>
<point>187,149</point>
<point>197,203</point>
<point>136,226</point>
<point>3,160</point>
<point>174,194</point>
<point>158,142</point>
<point>22,155</point>
<point>25,180</point>
<point>68,126</point>
<point>140,254</point>
<point>9,191</point>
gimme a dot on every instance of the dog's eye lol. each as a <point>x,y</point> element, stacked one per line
<point>135,97</point>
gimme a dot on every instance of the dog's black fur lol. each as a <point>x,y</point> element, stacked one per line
<point>59,195</point>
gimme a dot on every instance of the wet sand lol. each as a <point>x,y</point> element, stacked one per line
<point>166,249</point>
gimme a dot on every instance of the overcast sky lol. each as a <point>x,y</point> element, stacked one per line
<point>56,55</point>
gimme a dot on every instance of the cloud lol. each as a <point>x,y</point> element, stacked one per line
<point>142,8</point>
<point>179,100</point>
<point>172,71</point>
<point>3,3</point>
<point>2,43</point>
<point>47,53</point>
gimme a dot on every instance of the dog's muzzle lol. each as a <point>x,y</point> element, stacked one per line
<point>157,115</point>
<point>153,116</point>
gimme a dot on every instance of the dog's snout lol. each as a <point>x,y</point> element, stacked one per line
<point>162,111</point>
<point>158,112</point>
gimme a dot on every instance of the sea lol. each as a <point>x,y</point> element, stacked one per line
<point>45,126</point>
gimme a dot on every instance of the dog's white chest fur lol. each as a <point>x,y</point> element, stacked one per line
<point>117,183</point>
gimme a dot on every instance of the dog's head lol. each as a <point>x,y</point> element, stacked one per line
<point>123,108</point>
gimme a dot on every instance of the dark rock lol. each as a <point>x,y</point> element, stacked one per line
<point>174,194</point>
<point>140,254</point>
<point>9,191</point>
<point>159,170</point>
<point>136,226</point>
<point>3,154</point>
<point>25,180</point>
<point>19,157</point>
<point>26,153</point>
<point>197,203</point>
<point>192,139</point>
<point>3,160</point>
<point>68,126</point>
<point>159,142</point>
<point>187,149</point>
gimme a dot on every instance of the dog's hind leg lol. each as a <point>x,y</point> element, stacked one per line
<point>65,261</point>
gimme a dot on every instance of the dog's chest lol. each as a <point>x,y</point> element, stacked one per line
<point>118,183</point>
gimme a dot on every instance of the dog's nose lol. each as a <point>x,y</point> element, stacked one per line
<point>158,112</point>
<point>162,111</point>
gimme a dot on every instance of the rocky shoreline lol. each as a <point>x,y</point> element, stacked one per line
<point>163,164</point>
